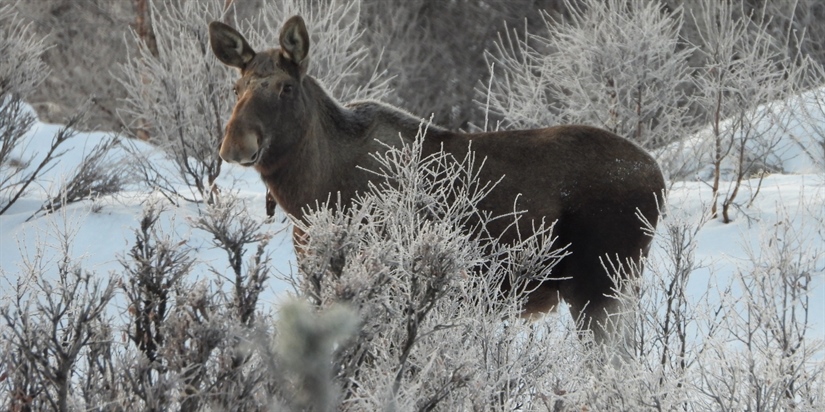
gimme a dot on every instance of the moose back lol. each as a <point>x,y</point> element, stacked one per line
<point>306,146</point>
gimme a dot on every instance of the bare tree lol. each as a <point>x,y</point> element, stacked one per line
<point>143,27</point>
<point>744,65</point>
<point>795,21</point>
<point>84,42</point>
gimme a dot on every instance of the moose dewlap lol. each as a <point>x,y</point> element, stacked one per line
<point>306,146</point>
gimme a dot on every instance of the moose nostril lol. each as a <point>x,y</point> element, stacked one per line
<point>251,160</point>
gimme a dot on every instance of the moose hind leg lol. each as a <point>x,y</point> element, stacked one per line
<point>602,237</point>
<point>610,322</point>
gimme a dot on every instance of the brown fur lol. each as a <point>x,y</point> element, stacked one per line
<point>307,146</point>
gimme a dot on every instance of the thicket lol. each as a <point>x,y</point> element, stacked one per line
<point>391,311</point>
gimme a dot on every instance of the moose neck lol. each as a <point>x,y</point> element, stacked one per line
<point>311,172</point>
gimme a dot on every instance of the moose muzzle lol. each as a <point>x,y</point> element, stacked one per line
<point>242,148</point>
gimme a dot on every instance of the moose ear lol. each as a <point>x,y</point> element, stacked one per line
<point>295,42</point>
<point>229,46</point>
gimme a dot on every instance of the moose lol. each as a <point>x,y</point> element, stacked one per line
<point>307,146</point>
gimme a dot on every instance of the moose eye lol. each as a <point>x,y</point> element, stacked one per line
<point>286,88</point>
<point>235,90</point>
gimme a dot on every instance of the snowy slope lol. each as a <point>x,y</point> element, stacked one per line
<point>102,229</point>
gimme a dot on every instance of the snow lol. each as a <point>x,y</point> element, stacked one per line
<point>724,248</point>
<point>795,131</point>
<point>103,229</point>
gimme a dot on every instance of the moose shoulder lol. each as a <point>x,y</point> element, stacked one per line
<point>306,146</point>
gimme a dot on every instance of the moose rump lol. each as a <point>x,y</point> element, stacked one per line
<point>308,146</point>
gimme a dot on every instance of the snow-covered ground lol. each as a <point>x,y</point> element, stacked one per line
<point>102,230</point>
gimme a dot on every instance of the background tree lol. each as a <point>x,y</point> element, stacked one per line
<point>743,65</point>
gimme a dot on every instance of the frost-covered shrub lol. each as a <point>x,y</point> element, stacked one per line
<point>616,64</point>
<point>179,98</point>
<point>340,56</point>
<point>49,324</point>
<point>399,309</point>
<point>628,67</point>
<point>435,331</point>
<point>193,343</point>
